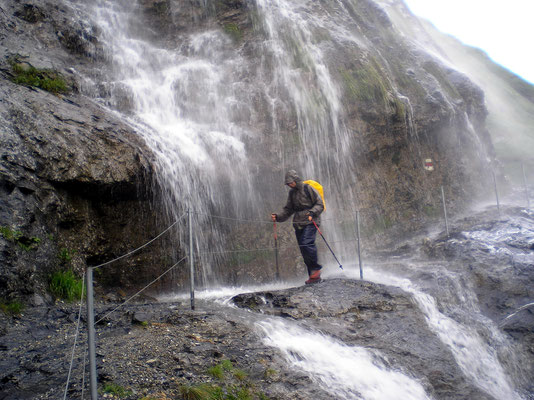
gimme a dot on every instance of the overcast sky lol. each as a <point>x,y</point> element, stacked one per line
<point>502,28</point>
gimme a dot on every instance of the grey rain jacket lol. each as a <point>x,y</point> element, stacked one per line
<point>301,200</point>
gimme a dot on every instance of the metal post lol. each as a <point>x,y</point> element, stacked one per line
<point>91,334</point>
<point>445,210</point>
<point>191,262</point>
<point>496,192</point>
<point>525,184</point>
<point>358,235</point>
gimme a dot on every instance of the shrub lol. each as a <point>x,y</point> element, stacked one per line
<point>64,285</point>
<point>65,255</point>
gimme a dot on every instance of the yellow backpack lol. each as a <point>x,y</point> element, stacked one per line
<point>317,186</point>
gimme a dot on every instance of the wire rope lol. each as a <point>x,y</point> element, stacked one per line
<point>143,246</point>
<point>131,297</point>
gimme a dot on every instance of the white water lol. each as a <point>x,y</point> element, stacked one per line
<point>477,360</point>
<point>347,372</point>
<point>185,102</point>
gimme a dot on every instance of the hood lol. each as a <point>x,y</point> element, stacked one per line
<point>292,176</point>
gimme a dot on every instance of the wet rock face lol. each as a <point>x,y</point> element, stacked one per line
<point>375,316</point>
<point>74,179</point>
<point>494,250</point>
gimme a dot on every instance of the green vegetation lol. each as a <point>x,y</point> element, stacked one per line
<point>216,371</point>
<point>11,308</point>
<point>9,234</point>
<point>45,79</point>
<point>233,30</point>
<point>269,373</point>
<point>198,392</point>
<point>65,255</point>
<point>64,285</point>
<point>433,69</point>
<point>24,242</point>
<point>369,84</point>
<point>365,84</point>
<point>116,390</point>
<point>28,244</point>
<point>233,385</point>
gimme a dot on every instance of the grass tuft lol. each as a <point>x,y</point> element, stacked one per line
<point>116,390</point>
<point>64,285</point>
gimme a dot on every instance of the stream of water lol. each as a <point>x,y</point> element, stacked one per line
<point>348,372</point>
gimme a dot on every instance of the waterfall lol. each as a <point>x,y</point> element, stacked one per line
<point>184,101</point>
<point>347,372</point>
<point>299,48</point>
<point>298,51</point>
<point>477,360</point>
<point>194,101</point>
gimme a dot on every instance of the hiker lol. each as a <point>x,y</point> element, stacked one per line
<point>306,203</point>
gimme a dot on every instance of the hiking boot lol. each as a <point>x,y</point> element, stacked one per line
<point>315,274</point>
<point>311,280</point>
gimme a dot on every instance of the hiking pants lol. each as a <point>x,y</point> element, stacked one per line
<point>306,241</point>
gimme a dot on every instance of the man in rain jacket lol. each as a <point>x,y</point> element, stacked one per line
<point>306,203</point>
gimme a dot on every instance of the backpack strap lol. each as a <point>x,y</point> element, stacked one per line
<point>307,190</point>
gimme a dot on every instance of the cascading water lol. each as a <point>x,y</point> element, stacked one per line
<point>299,42</point>
<point>193,105</point>
<point>347,372</point>
<point>208,108</point>
<point>476,358</point>
<point>184,101</point>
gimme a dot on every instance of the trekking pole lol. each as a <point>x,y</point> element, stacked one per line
<point>276,251</point>
<point>327,245</point>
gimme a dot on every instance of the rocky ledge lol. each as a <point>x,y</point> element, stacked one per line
<point>164,349</point>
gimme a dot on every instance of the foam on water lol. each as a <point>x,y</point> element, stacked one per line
<point>347,372</point>
<point>476,359</point>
